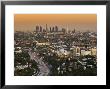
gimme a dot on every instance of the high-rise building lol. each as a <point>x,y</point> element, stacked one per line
<point>73,31</point>
<point>41,29</point>
<point>63,30</point>
<point>56,28</point>
<point>67,29</point>
<point>50,29</point>
<point>37,29</point>
<point>46,28</point>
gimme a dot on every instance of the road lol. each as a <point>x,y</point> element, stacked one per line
<point>44,70</point>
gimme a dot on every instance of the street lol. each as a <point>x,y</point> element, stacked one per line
<point>44,70</point>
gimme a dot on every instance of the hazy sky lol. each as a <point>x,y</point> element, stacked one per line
<point>81,22</point>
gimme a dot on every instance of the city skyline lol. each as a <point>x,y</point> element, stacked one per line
<point>80,22</point>
<point>54,46</point>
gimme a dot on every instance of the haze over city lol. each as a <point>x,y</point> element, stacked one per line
<point>55,45</point>
<point>80,22</point>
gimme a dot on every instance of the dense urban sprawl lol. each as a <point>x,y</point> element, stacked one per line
<point>54,51</point>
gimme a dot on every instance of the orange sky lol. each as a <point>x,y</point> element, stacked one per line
<point>27,22</point>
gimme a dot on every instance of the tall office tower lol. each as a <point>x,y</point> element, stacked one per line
<point>74,30</point>
<point>37,29</point>
<point>63,30</point>
<point>40,29</point>
<point>50,29</point>
<point>46,28</point>
<point>67,29</point>
<point>56,28</point>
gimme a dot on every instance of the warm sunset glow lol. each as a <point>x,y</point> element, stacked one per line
<point>81,22</point>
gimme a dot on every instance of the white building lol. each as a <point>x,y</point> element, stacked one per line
<point>94,51</point>
<point>62,53</point>
<point>18,50</point>
<point>84,52</point>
